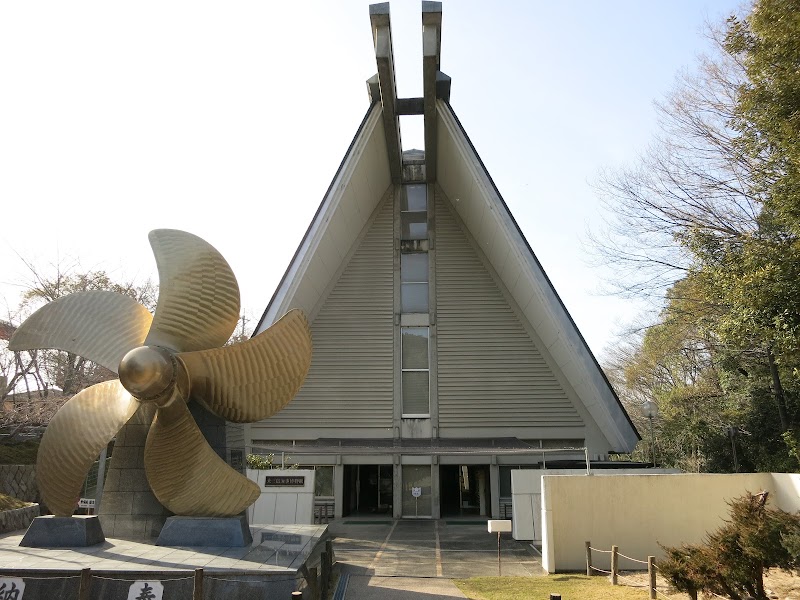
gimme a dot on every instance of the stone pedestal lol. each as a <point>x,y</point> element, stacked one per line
<point>129,509</point>
<point>63,532</point>
<point>205,531</point>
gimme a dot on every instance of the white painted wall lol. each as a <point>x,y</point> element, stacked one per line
<point>282,505</point>
<point>639,512</point>
<point>526,496</point>
<point>786,491</point>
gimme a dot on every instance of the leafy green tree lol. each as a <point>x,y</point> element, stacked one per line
<point>767,43</point>
<point>712,214</point>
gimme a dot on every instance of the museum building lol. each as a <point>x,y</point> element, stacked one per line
<point>443,356</point>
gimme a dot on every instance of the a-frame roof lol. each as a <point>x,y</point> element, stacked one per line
<point>361,182</point>
<point>370,166</point>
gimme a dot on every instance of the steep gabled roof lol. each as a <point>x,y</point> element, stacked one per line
<point>370,166</point>
<point>474,196</point>
<point>360,183</point>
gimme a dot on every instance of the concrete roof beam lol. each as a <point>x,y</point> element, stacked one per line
<point>384,56</point>
<point>431,56</point>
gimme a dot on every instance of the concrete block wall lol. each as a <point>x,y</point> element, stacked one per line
<point>18,519</point>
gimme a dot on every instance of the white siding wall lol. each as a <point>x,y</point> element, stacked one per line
<point>350,382</point>
<point>490,372</point>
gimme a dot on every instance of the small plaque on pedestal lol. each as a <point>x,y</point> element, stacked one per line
<point>63,532</point>
<point>205,531</point>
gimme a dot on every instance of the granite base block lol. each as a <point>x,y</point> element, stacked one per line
<point>63,532</point>
<point>205,531</point>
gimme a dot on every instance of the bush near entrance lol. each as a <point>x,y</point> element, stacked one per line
<point>732,561</point>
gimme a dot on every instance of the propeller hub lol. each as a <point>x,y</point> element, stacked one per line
<point>148,373</point>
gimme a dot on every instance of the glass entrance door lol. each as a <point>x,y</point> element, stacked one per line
<point>367,489</point>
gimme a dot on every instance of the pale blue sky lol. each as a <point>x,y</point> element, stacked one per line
<point>229,120</point>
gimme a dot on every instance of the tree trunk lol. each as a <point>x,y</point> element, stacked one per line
<point>777,387</point>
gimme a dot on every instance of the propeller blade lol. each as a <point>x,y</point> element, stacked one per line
<point>186,475</point>
<point>253,380</point>
<point>198,299</point>
<point>74,438</point>
<point>101,326</point>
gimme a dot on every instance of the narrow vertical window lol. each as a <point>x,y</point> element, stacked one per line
<point>414,212</point>
<point>414,282</point>
<point>415,364</point>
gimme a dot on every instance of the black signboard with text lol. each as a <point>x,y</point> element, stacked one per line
<point>284,480</point>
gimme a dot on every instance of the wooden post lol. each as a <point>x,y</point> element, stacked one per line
<point>588,559</point>
<point>197,590</point>
<point>651,571</point>
<point>86,583</point>
<point>614,564</point>
<point>313,584</point>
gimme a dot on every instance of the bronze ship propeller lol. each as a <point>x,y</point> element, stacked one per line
<point>163,361</point>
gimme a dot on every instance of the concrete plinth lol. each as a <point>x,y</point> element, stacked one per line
<point>205,531</point>
<point>63,532</point>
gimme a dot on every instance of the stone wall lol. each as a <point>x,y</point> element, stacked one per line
<point>128,509</point>
<point>19,481</point>
<point>19,518</point>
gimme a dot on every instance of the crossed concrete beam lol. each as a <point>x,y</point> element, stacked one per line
<point>382,86</point>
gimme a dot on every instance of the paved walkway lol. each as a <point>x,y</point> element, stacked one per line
<point>443,549</point>
<point>275,548</point>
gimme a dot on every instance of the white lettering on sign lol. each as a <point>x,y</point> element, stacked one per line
<point>11,588</point>
<point>146,590</point>
<point>416,492</point>
<point>86,503</point>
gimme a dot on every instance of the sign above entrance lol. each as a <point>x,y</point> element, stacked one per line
<point>284,481</point>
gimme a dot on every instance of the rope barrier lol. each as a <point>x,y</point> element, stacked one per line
<point>140,579</point>
<point>636,560</point>
<point>615,573</point>
<point>260,579</point>
<point>50,577</point>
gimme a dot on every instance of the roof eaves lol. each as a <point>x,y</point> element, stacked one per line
<point>539,265</point>
<point>284,279</point>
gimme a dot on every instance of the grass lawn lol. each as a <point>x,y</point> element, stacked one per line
<point>570,586</point>
<point>10,503</point>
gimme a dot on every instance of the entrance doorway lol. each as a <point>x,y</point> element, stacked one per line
<point>417,492</point>
<point>367,490</point>
<point>465,490</point>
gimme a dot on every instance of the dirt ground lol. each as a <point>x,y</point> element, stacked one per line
<point>780,585</point>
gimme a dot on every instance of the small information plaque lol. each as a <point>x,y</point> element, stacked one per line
<point>284,481</point>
